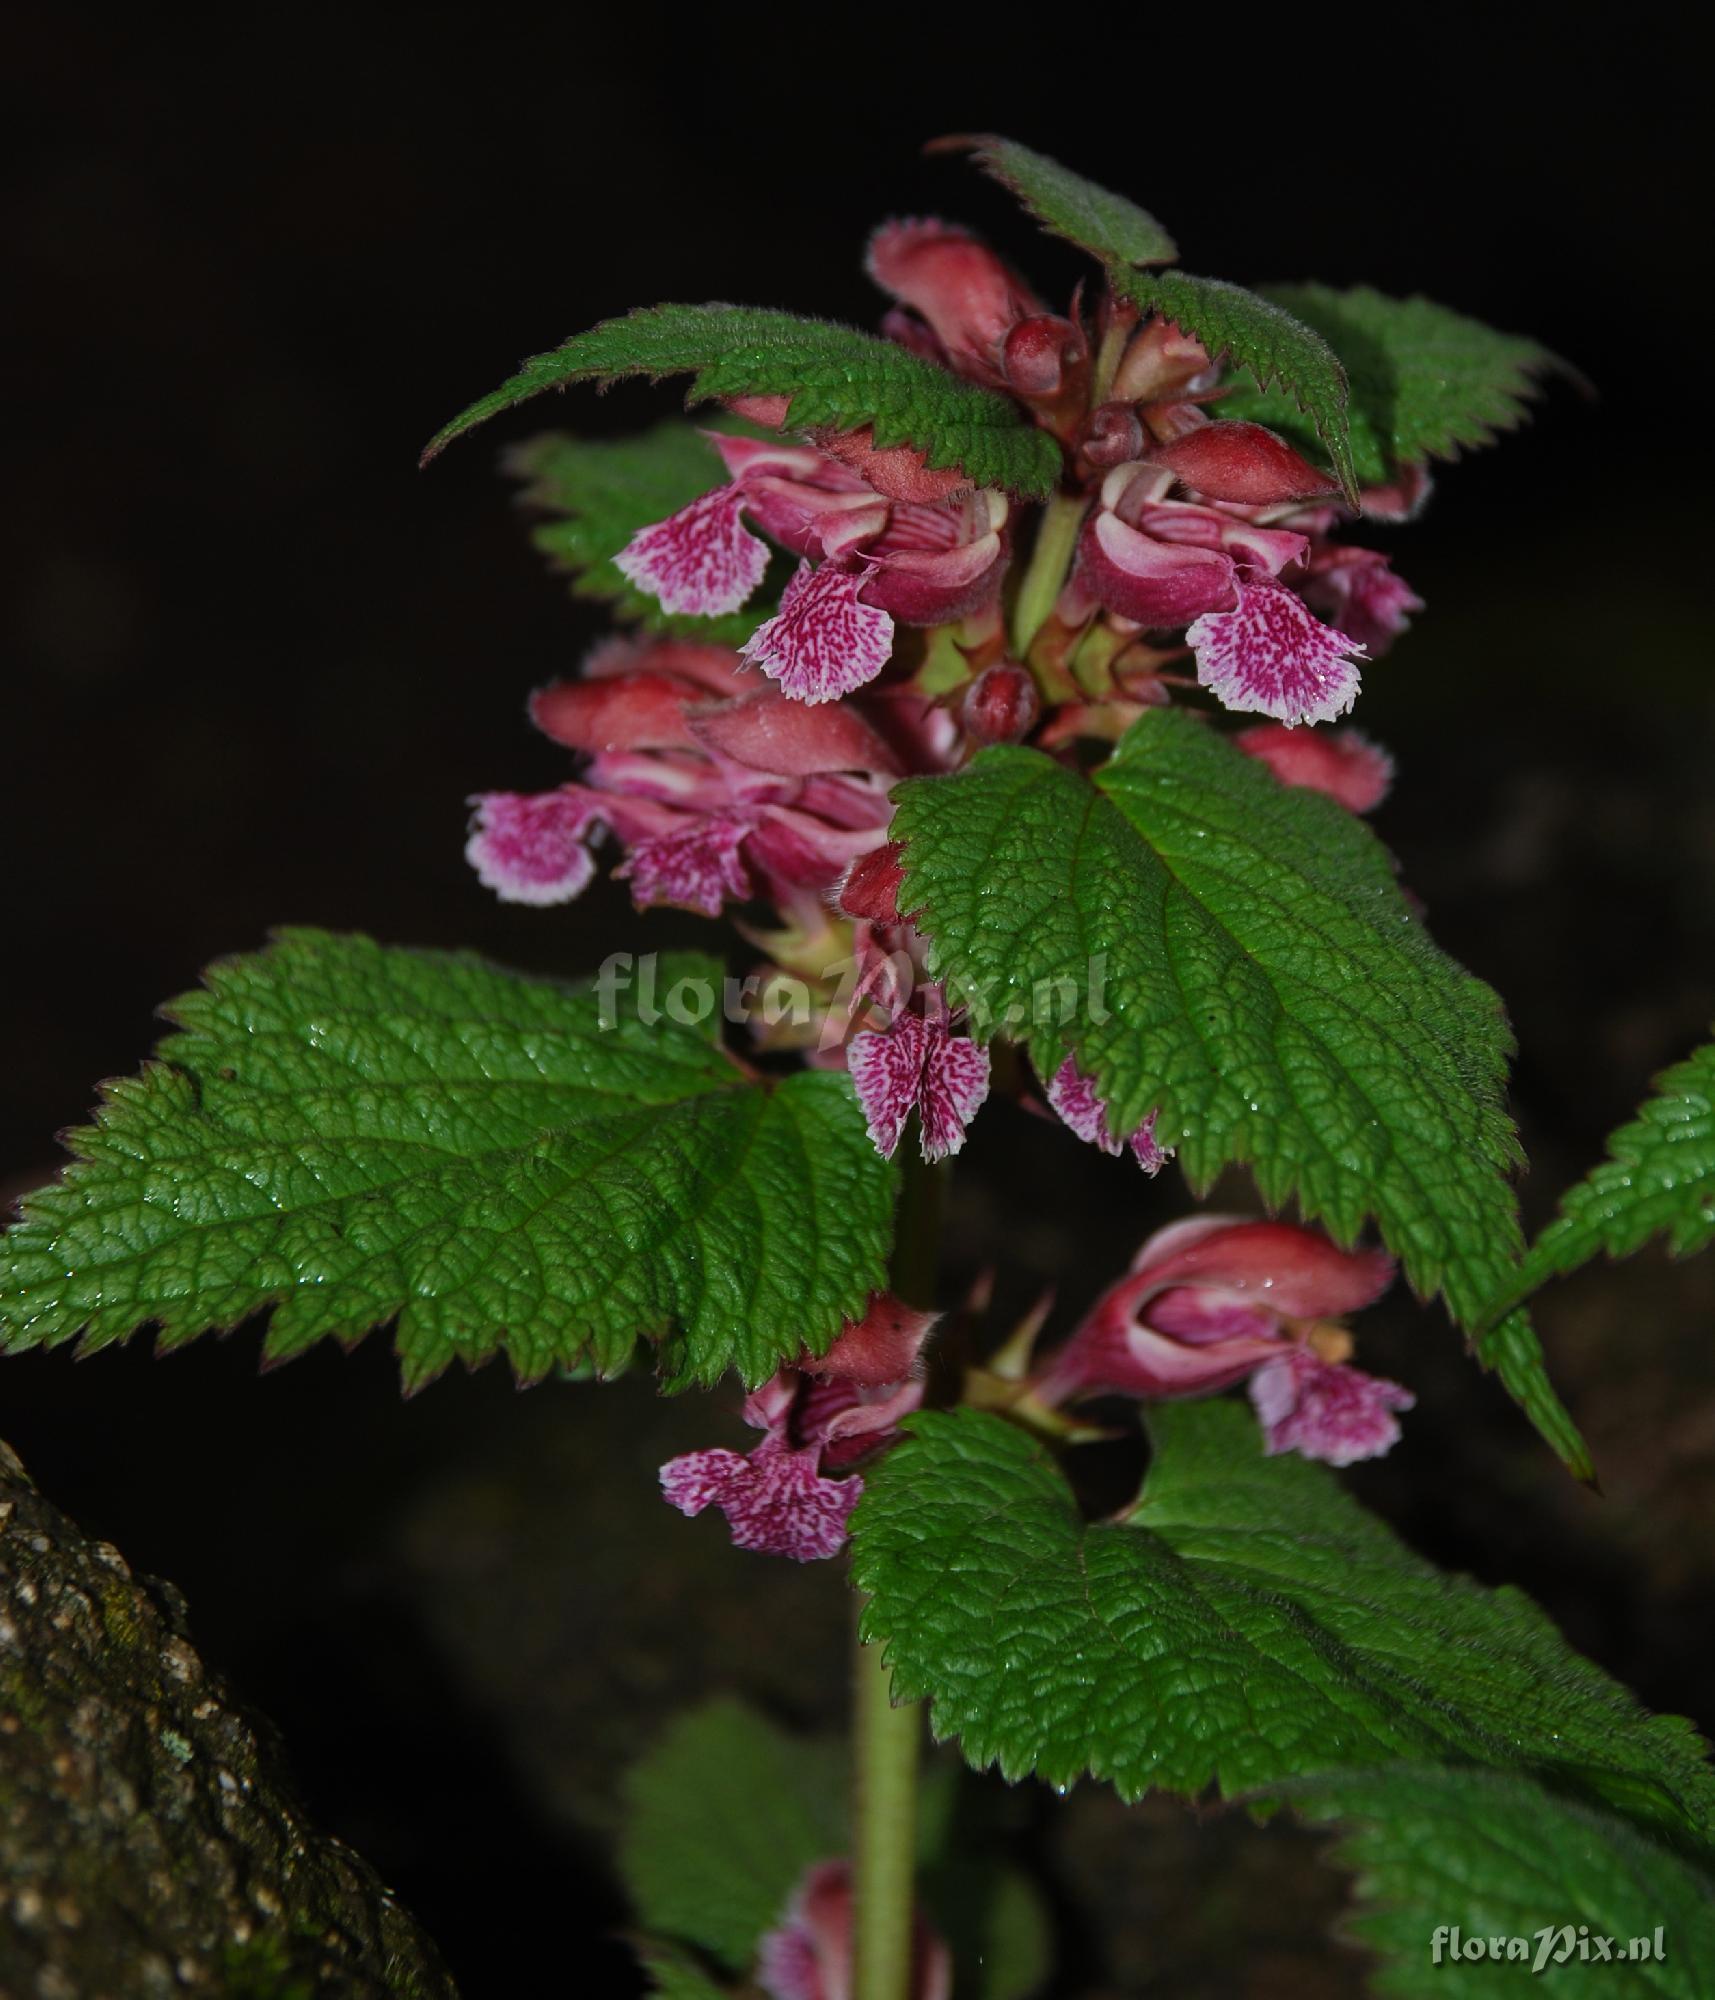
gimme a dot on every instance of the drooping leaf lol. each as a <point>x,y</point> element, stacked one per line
<point>1265,340</point>
<point>835,377</point>
<point>1511,1348</point>
<point>1068,206</point>
<point>726,1812</point>
<point>601,491</point>
<point>1247,1624</point>
<point>1658,1180</point>
<point>1426,382</point>
<point>350,1134</point>
<point>1237,953</point>
<point>1500,1856</point>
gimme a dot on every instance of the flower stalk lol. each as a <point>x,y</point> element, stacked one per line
<point>1050,560</point>
<point>887,1740</point>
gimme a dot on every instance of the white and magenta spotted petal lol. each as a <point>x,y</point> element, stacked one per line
<point>1326,1409</point>
<point>887,1072</point>
<point>695,867</point>
<point>699,562</point>
<point>530,847</point>
<point>1271,656</point>
<point>954,1084</point>
<point>1073,1096</point>
<point>824,641</point>
<point>775,1501</point>
<point>1147,1150</point>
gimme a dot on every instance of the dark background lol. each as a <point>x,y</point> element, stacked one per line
<point>256,662</point>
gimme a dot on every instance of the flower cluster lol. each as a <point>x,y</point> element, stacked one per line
<point>1216,529</point>
<point>1189,549</point>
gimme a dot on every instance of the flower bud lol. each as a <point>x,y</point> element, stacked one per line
<point>1043,357</point>
<point>1242,464</point>
<point>1113,436</point>
<point>1001,704</point>
<point>871,887</point>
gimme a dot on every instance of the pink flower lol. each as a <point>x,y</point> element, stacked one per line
<point>868,559</point>
<point>1162,562</point>
<point>718,791</point>
<point>1211,1301</point>
<point>1073,1097</point>
<point>808,1955</point>
<point>1341,762</point>
<point>918,1064</point>
<point>824,1413</point>
<point>1325,1409</point>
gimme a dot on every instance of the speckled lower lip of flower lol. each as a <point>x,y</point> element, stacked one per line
<point>917,1063</point>
<point>1073,1097</point>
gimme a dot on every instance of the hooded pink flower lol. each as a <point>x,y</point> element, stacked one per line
<point>1162,562</point>
<point>1222,527</point>
<point>717,790</point>
<point>918,1064</point>
<point>808,1955</point>
<point>825,1413</point>
<point>1073,1096</point>
<point>868,560</point>
<point>1214,1300</point>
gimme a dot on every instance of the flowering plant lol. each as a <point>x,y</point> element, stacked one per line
<point>992,671</point>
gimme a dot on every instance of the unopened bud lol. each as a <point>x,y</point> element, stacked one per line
<point>1113,436</point>
<point>1001,704</point>
<point>1038,354</point>
<point>871,888</point>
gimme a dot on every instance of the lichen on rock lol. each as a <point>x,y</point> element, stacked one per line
<point>150,1839</point>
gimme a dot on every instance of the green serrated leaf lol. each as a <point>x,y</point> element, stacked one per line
<point>1500,1856</point>
<point>1658,1180</point>
<point>602,491</point>
<point>1425,382</point>
<point>726,1812</point>
<point>1263,338</point>
<point>835,377</point>
<point>1511,1348</point>
<point>1068,206</point>
<point>721,1818</point>
<point>1237,953</point>
<point>676,1974</point>
<point>1248,1624</point>
<point>350,1135</point>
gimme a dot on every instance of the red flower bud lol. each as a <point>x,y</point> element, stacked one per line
<point>1001,704</point>
<point>871,887</point>
<point>1039,354</point>
<point>1242,464</point>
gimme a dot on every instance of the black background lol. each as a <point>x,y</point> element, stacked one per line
<point>256,662</point>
